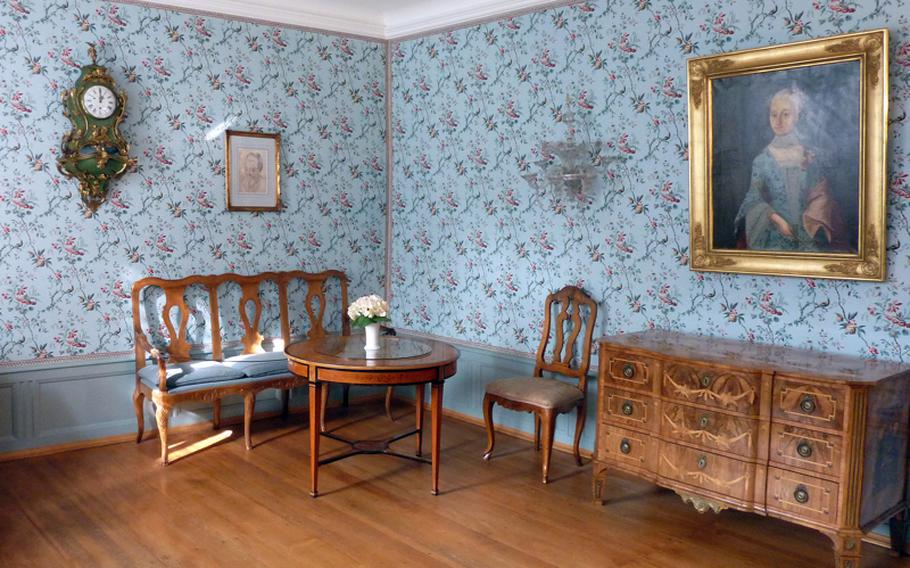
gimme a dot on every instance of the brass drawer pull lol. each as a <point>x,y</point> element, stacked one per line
<point>703,420</point>
<point>627,408</point>
<point>807,403</point>
<point>804,449</point>
<point>625,446</point>
<point>801,495</point>
<point>628,370</point>
<point>706,380</point>
<point>702,462</point>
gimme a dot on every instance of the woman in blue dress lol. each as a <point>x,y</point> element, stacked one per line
<point>789,206</point>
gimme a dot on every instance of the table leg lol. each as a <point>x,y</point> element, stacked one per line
<point>315,428</point>
<point>419,411</point>
<point>436,404</point>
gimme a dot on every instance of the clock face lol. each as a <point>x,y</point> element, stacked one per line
<point>99,101</point>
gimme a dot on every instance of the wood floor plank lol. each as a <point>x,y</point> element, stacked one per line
<point>226,506</point>
<point>61,516</point>
<point>17,527</point>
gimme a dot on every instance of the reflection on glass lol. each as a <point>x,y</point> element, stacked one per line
<point>351,347</point>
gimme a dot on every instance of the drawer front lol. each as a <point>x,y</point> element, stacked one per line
<point>806,449</point>
<point>726,476</point>
<point>629,408</point>
<point>816,405</point>
<point>809,497</point>
<point>729,390</point>
<point>628,448</point>
<point>712,430</point>
<point>629,372</point>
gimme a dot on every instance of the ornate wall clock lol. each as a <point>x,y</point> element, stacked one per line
<point>94,152</point>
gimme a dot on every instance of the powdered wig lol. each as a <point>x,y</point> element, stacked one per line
<point>796,95</point>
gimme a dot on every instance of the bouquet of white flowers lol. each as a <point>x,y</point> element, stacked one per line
<point>368,309</point>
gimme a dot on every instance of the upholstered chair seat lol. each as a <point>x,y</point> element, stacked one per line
<point>259,364</point>
<point>190,373</point>
<point>545,393</point>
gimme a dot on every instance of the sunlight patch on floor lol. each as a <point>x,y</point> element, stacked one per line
<point>198,445</point>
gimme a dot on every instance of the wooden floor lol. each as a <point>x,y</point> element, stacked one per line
<point>224,506</point>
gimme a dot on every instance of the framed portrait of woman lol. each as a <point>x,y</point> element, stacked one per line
<point>253,171</point>
<point>788,158</point>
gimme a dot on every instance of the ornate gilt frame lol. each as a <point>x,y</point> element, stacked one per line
<point>871,49</point>
<point>227,157</point>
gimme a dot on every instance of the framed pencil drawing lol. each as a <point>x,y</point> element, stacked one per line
<point>253,171</point>
<point>788,158</point>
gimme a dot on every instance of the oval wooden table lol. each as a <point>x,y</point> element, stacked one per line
<point>399,361</point>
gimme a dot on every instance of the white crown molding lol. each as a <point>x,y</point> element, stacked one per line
<point>288,15</point>
<point>374,23</point>
<point>414,22</point>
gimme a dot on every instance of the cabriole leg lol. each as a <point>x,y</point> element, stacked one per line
<point>598,482</point>
<point>389,392</point>
<point>138,399</point>
<point>162,412</point>
<point>249,407</point>
<point>216,414</point>
<point>579,428</point>
<point>488,420</point>
<point>549,429</point>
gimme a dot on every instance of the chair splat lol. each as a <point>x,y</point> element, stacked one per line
<point>570,301</point>
<point>315,290</point>
<point>179,347</point>
<point>252,339</point>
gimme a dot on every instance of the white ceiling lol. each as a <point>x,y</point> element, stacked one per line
<point>381,19</point>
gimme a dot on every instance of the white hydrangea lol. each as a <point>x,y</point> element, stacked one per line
<point>371,306</point>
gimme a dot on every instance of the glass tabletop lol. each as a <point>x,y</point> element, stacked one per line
<point>351,347</point>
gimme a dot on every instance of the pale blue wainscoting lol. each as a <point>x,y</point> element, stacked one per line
<point>78,400</point>
<point>60,402</point>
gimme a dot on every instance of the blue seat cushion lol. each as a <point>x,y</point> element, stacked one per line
<point>259,364</point>
<point>190,373</point>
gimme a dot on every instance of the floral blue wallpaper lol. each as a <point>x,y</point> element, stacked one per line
<point>476,248</point>
<point>65,279</point>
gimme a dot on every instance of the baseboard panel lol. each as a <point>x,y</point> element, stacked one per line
<point>182,430</point>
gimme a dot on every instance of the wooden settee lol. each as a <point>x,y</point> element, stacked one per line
<point>181,374</point>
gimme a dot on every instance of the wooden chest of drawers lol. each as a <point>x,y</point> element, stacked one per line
<point>817,439</point>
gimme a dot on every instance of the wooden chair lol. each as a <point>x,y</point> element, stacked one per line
<point>548,397</point>
<point>178,375</point>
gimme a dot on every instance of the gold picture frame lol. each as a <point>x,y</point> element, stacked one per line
<point>251,186</point>
<point>740,100</point>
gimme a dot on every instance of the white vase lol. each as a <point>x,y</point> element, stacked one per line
<point>372,337</point>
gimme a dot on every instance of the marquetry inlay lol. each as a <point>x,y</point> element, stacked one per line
<point>816,439</point>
